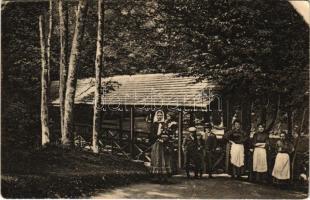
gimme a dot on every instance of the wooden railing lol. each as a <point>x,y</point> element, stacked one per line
<point>116,141</point>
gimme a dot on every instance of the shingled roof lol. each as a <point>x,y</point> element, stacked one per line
<point>143,90</point>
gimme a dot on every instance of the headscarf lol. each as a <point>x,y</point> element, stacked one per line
<point>155,116</point>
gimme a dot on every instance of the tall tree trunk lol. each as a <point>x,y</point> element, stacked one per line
<point>67,31</point>
<point>297,143</point>
<point>264,112</point>
<point>275,116</point>
<point>67,138</point>
<point>44,86</point>
<point>48,41</point>
<point>289,122</point>
<point>63,65</point>
<point>98,66</point>
<point>246,115</point>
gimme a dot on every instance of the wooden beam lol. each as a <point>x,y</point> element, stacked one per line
<point>32,1</point>
<point>180,136</point>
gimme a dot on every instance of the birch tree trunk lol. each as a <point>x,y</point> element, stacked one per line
<point>67,19</point>
<point>98,66</point>
<point>48,42</point>
<point>63,66</point>
<point>68,136</point>
<point>44,86</point>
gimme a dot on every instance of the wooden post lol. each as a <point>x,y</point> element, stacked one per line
<point>191,119</point>
<point>228,121</point>
<point>101,121</point>
<point>206,116</point>
<point>180,134</point>
<point>224,113</point>
<point>228,127</point>
<point>121,129</point>
<point>132,131</point>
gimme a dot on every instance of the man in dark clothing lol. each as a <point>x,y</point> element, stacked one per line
<point>201,148</point>
<point>211,143</point>
<point>190,149</point>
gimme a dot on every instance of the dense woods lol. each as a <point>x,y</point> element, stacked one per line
<point>255,50</point>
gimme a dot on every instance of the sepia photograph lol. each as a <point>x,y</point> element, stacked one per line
<point>155,99</point>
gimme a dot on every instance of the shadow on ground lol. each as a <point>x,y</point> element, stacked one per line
<point>219,187</point>
<point>65,173</point>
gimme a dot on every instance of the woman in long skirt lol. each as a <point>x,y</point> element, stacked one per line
<point>237,138</point>
<point>281,169</point>
<point>160,154</point>
<point>260,142</point>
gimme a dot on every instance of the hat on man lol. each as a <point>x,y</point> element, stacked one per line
<point>192,129</point>
<point>208,125</point>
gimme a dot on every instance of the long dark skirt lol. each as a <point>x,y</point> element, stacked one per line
<point>160,159</point>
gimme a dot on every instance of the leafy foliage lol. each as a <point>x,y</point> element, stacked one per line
<point>21,74</point>
<point>255,50</point>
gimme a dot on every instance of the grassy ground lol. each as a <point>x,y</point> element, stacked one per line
<point>55,173</point>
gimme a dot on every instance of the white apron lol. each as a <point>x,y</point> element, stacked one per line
<point>237,154</point>
<point>259,160</point>
<point>281,169</point>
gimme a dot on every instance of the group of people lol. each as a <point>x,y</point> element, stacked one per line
<point>257,149</point>
<point>199,150</point>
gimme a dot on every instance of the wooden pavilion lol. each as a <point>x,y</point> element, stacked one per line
<point>130,102</point>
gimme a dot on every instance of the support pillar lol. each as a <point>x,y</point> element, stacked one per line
<point>191,119</point>
<point>180,136</point>
<point>228,114</point>
<point>121,129</point>
<point>132,131</point>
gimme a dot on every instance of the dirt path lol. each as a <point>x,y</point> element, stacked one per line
<point>180,187</point>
